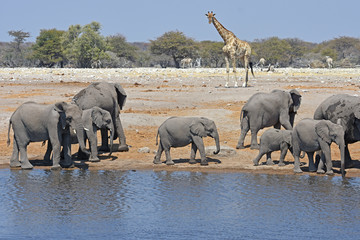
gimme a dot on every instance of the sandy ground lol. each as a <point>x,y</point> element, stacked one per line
<point>156,94</point>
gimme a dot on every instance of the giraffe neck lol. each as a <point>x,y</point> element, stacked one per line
<point>224,33</point>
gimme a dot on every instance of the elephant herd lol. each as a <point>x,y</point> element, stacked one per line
<point>61,124</point>
<point>97,107</point>
<point>336,119</point>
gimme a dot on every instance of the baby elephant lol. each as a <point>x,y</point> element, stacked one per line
<point>181,131</point>
<point>274,140</point>
<point>94,119</point>
<point>311,135</point>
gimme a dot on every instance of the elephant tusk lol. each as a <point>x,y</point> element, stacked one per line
<point>74,131</point>
<point>86,129</point>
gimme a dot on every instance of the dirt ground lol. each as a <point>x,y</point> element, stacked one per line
<point>157,94</point>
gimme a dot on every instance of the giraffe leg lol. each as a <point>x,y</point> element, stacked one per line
<point>233,59</point>
<point>227,71</point>
<point>246,64</point>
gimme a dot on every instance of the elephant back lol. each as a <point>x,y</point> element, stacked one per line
<point>101,94</point>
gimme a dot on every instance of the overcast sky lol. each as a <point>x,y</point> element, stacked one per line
<point>144,20</point>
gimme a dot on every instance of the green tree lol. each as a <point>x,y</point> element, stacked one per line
<point>84,46</point>
<point>19,38</point>
<point>274,50</point>
<point>211,53</point>
<point>15,55</point>
<point>118,45</point>
<point>48,48</point>
<point>175,45</point>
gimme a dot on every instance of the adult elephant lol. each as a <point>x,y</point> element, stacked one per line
<point>110,97</point>
<point>33,122</point>
<point>347,109</point>
<point>181,131</point>
<point>277,108</point>
<point>311,135</point>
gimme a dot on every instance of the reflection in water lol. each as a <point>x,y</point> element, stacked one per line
<point>84,204</point>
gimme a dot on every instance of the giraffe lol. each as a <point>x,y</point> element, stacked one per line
<point>232,49</point>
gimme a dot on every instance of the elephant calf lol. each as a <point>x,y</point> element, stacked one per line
<point>181,131</point>
<point>94,119</point>
<point>311,135</point>
<point>274,140</point>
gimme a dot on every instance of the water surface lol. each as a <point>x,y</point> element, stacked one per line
<point>82,204</point>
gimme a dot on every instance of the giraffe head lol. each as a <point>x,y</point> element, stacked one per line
<point>210,16</point>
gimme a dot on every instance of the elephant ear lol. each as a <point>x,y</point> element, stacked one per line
<point>96,116</point>
<point>323,131</point>
<point>197,128</point>
<point>121,94</point>
<point>296,100</point>
<point>60,107</point>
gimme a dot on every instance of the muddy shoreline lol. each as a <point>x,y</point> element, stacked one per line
<point>156,94</point>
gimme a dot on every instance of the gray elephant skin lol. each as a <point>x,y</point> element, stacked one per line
<point>311,135</point>
<point>94,119</point>
<point>277,108</point>
<point>181,131</point>
<point>274,140</point>
<point>347,109</point>
<point>33,122</point>
<point>110,97</point>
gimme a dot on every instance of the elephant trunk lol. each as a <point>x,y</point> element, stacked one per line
<point>112,134</point>
<point>217,142</point>
<point>81,138</point>
<point>342,154</point>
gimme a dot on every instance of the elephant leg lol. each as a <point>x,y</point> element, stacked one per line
<point>104,141</point>
<point>93,147</point>
<point>349,163</point>
<point>321,166</point>
<point>283,151</point>
<point>25,164</point>
<point>14,160</point>
<point>312,167</point>
<point>67,163</point>
<point>244,130</point>
<point>56,151</point>
<point>325,148</point>
<point>198,141</point>
<point>296,153</point>
<point>193,153</point>
<point>169,161</point>
<point>268,159</point>
<point>258,157</point>
<point>120,132</point>
<point>47,156</point>
<point>254,143</point>
<point>158,154</point>
<point>21,143</point>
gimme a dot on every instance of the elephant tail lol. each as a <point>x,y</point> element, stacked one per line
<point>8,139</point>
<point>243,115</point>
<point>302,154</point>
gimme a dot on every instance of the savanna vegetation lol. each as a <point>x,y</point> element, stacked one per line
<point>85,47</point>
